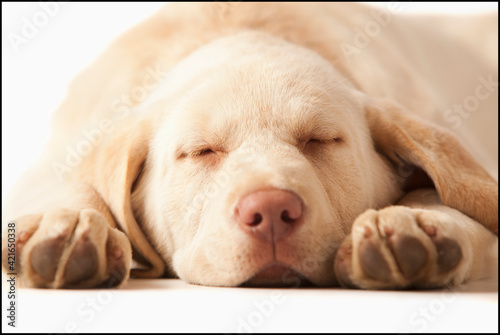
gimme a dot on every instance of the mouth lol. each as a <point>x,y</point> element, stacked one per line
<point>277,274</point>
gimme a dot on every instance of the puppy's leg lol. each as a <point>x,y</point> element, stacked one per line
<point>73,243</point>
<point>418,244</point>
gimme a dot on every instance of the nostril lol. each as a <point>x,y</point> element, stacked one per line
<point>257,218</point>
<point>269,214</point>
<point>285,217</point>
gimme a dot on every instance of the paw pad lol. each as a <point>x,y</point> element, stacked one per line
<point>449,254</point>
<point>409,253</point>
<point>372,261</point>
<point>82,263</point>
<point>45,257</point>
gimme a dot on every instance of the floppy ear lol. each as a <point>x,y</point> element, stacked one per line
<point>113,170</point>
<point>460,180</point>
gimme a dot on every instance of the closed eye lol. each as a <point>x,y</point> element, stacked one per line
<point>204,152</point>
<point>207,157</point>
<point>314,140</point>
<point>324,141</point>
<point>196,153</point>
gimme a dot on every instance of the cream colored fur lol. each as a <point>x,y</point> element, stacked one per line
<point>255,82</point>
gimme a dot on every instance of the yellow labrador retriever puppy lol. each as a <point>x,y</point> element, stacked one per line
<point>270,144</point>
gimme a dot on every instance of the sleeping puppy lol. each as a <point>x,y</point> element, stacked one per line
<point>270,144</point>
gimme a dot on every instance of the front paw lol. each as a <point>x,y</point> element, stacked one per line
<point>66,248</point>
<point>400,247</point>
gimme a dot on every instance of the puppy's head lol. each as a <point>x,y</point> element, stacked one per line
<point>261,160</point>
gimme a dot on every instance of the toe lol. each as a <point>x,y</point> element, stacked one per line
<point>45,257</point>
<point>343,266</point>
<point>449,254</point>
<point>82,262</point>
<point>117,269</point>
<point>410,254</point>
<point>372,261</point>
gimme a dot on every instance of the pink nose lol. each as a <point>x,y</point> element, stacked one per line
<point>269,214</point>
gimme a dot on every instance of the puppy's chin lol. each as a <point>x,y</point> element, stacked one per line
<point>277,274</point>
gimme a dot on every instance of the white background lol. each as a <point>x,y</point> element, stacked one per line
<point>34,81</point>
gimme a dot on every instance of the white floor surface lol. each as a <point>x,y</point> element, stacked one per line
<point>169,305</point>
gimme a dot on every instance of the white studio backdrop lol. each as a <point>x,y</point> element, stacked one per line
<point>68,36</point>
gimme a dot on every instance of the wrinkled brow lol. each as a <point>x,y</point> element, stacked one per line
<point>322,122</point>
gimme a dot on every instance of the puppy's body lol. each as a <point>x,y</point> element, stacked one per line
<point>287,97</point>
